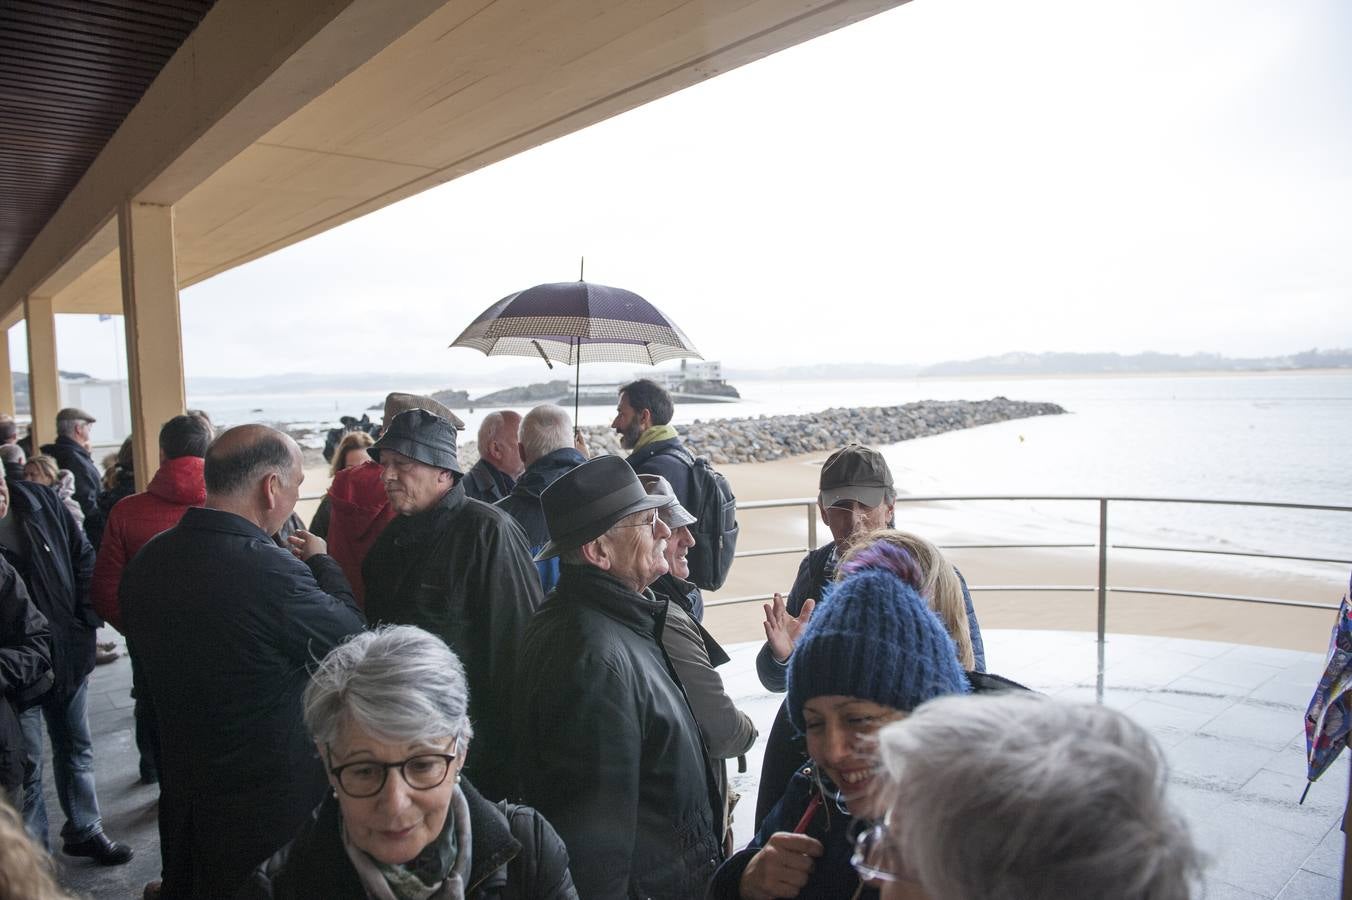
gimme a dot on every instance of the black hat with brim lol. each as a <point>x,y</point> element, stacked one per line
<point>583,503</point>
<point>422,436</point>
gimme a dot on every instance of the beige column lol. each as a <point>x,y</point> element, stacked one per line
<point>44,385</point>
<point>154,336</point>
<point>6,375</point>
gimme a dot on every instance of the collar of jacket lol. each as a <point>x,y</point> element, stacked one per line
<point>676,590</point>
<point>425,525</point>
<point>68,441</point>
<point>180,481</point>
<point>492,846</point>
<point>590,586</point>
<point>546,470</point>
<point>490,478</point>
<point>21,499</point>
<point>206,519</point>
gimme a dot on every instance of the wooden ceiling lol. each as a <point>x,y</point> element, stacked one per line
<point>276,122</point>
<point>70,71</point>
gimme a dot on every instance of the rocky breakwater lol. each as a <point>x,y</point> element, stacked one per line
<point>766,438</point>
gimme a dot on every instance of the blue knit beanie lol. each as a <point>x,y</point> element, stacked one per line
<point>873,637</point>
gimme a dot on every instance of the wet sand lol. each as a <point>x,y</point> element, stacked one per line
<point>1203,619</point>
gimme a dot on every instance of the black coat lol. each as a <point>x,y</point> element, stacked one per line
<point>671,460</point>
<point>25,669</point>
<point>226,626</point>
<point>57,570</point>
<point>608,748</point>
<point>524,502</point>
<point>70,454</point>
<point>487,483</point>
<point>462,571</point>
<point>514,855</point>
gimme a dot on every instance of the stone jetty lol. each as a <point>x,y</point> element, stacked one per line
<point>765,438</point>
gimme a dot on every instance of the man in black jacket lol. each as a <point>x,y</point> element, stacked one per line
<point>227,625</point>
<point>608,748</point>
<point>25,675</point>
<point>39,537</point>
<point>458,568</point>
<point>492,478</point>
<point>71,451</point>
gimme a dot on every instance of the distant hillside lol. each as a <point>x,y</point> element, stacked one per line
<point>1112,363</point>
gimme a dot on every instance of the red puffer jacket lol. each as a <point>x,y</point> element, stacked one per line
<point>177,486</point>
<point>359,510</point>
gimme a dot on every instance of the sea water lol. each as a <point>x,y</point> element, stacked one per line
<point>1281,437</point>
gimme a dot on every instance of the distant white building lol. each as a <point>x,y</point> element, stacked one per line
<point>689,371</point>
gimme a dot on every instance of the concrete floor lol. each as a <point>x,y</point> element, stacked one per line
<point>1229,716</point>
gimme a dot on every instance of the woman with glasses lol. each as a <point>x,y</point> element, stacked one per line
<point>1021,797</point>
<point>872,652</point>
<point>387,711</point>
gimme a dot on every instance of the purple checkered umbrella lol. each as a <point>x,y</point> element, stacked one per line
<point>573,321</point>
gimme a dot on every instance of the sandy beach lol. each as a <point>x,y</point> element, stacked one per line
<point>1203,619</point>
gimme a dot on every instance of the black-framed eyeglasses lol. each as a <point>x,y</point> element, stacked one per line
<point>651,524</point>
<point>366,777</point>
<point>875,858</point>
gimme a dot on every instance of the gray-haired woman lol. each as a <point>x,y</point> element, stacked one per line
<point>1022,797</point>
<point>387,710</point>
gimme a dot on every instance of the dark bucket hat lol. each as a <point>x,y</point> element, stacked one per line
<point>420,435</point>
<point>584,502</point>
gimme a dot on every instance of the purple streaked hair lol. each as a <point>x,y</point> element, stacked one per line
<point>887,557</point>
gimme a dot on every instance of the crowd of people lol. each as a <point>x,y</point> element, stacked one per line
<point>495,681</point>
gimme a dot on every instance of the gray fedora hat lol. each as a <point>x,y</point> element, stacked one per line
<point>420,435</point>
<point>584,502</point>
<point>672,512</point>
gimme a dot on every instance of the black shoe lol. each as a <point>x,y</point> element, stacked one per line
<point>99,848</point>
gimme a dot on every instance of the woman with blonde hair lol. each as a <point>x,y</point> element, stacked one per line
<point>940,584</point>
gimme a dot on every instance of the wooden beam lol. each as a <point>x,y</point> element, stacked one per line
<point>6,376</point>
<point>44,383</point>
<point>154,333</point>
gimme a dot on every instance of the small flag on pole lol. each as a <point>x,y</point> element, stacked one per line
<point>104,317</point>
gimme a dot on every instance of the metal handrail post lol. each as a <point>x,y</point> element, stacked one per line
<point>811,527</point>
<point>1102,592</point>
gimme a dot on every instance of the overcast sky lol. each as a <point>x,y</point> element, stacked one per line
<point>950,179</point>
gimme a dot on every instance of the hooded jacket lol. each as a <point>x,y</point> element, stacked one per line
<point>609,750</point>
<point>57,570</point>
<point>670,459</point>
<point>359,510</point>
<point>25,670</point>
<point>524,505</point>
<point>177,486</point>
<point>462,571</point>
<point>514,855</point>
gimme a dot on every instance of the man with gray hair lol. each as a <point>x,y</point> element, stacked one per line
<point>608,748</point>
<point>457,568</point>
<point>227,625</point>
<point>71,451</point>
<point>548,451</point>
<point>492,478</point>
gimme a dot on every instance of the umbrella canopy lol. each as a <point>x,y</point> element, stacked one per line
<point>572,321</point>
<point>1329,717</point>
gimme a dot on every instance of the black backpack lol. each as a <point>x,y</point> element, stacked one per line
<point>712,501</point>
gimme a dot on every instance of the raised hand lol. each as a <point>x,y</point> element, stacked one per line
<point>781,629</point>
